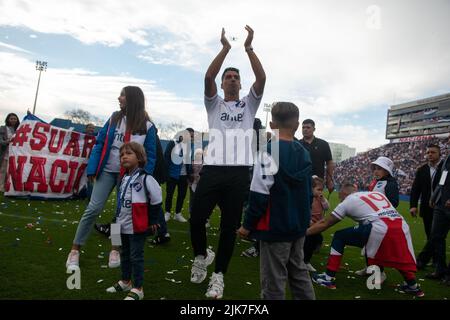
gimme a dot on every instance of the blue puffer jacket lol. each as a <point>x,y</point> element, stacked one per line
<point>105,138</point>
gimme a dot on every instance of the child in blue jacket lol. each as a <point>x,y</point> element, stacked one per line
<point>279,209</point>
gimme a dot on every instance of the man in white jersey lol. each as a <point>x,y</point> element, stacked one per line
<point>225,174</point>
<point>382,230</point>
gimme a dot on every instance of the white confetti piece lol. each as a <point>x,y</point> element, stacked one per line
<point>173,280</point>
<point>249,283</point>
<point>100,256</point>
<point>104,266</point>
<point>17,239</point>
<point>172,271</point>
<point>358,297</point>
<point>100,281</point>
<point>59,249</point>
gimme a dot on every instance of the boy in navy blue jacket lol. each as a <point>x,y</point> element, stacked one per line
<point>279,209</point>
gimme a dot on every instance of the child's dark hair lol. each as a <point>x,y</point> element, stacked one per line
<point>285,114</point>
<point>138,149</point>
<point>230,69</point>
<point>317,182</point>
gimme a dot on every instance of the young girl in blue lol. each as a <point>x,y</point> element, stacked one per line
<point>138,208</point>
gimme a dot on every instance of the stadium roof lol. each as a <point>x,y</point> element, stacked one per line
<point>420,102</point>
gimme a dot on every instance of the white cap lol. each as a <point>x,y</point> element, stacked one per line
<point>386,164</point>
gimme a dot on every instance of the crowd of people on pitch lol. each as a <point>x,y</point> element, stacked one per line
<point>274,197</point>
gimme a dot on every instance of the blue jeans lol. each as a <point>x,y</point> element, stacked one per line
<point>356,236</point>
<point>132,258</point>
<point>103,187</point>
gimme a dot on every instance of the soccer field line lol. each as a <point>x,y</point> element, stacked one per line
<point>64,222</point>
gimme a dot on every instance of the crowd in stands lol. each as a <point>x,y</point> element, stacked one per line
<point>407,157</point>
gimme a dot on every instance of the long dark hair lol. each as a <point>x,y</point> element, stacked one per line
<point>134,110</point>
<point>7,120</point>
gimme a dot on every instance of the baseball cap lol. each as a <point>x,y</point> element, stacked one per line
<point>386,164</point>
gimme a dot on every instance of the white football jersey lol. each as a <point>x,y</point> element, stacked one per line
<point>366,206</point>
<point>231,130</point>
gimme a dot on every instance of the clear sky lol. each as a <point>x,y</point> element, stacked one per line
<point>342,62</point>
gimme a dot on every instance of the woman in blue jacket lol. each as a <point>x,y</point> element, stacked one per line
<point>131,123</point>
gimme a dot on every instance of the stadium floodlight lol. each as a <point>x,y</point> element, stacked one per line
<point>267,108</point>
<point>40,66</point>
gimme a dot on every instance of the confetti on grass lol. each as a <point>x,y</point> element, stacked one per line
<point>172,271</point>
<point>100,281</point>
<point>173,280</point>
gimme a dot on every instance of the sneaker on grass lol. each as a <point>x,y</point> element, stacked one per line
<point>135,294</point>
<point>215,286</point>
<point>179,217</point>
<point>199,267</point>
<point>250,252</point>
<point>324,280</point>
<point>413,290</point>
<point>73,259</point>
<point>119,287</point>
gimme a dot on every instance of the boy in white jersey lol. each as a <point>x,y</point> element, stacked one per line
<point>382,230</point>
<point>225,174</point>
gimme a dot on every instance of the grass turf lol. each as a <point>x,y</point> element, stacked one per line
<point>35,238</point>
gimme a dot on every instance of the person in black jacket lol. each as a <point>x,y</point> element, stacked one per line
<point>440,201</point>
<point>422,188</point>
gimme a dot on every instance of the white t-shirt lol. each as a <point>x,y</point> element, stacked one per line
<point>365,207</point>
<point>125,216</point>
<point>113,163</point>
<point>231,130</point>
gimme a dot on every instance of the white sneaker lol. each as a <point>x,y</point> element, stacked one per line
<point>215,287</point>
<point>73,259</point>
<point>167,216</point>
<point>135,294</point>
<point>119,287</point>
<point>114,259</point>
<point>362,272</point>
<point>310,267</point>
<point>199,267</point>
<point>179,217</point>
